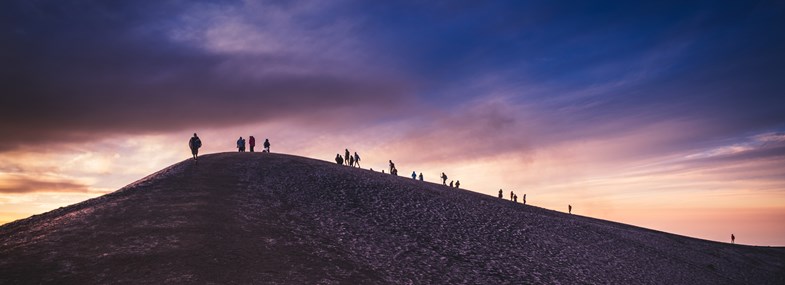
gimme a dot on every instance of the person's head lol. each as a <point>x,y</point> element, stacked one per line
<point>194,134</point>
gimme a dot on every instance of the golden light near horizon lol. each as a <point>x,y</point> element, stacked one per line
<point>651,194</point>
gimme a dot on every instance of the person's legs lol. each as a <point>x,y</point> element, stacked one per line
<point>251,148</point>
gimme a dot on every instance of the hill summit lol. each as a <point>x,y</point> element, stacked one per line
<point>254,218</point>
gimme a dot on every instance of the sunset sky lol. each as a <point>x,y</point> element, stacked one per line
<point>667,115</point>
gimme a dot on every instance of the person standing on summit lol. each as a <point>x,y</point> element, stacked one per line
<point>392,166</point>
<point>357,159</point>
<point>251,142</point>
<point>346,156</point>
<point>195,143</point>
<point>240,145</point>
<point>267,145</point>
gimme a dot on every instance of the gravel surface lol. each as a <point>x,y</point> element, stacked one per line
<point>259,218</point>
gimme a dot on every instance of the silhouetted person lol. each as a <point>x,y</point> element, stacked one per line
<point>569,208</point>
<point>392,166</point>
<point>351,160</point>
<point>346,156</point>
<point>357,159</point>
<point>267,145</point>
<point>458,184</point>
<point>338,159</point>
<point>501,196</point>
<point>195,143</point>
<point>395,171</point>
<point>444,178</point>
<point>450,184</point>
<point>240,144</point>
<point>251,142</point>
<point>414,175</point>
<point>511,194</point>
<point>524,199</point>
<point>420,176</point>
<point>732,239</point>
<point>515,198</point>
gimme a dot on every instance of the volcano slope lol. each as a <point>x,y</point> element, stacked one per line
<point>242,218</point>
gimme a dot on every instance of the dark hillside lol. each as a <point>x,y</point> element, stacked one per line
<point>242,218</point>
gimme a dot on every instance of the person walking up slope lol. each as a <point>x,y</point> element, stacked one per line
<point>444,179</point>
<point>357,159</point>
<point>195,143</point>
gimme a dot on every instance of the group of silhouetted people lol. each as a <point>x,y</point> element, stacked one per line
<point>348,159</point>
<point>195,143</point>
<point>457,184</point>
<point>513,196</point>
<point>251,144</point>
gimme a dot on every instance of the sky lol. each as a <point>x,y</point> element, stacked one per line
<point>668,115</point>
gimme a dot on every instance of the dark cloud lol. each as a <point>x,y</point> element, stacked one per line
<point>74,71</point>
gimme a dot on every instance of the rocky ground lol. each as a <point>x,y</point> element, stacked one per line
<point>245,218</point>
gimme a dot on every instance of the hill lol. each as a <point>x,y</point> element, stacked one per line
<point>242,218</point>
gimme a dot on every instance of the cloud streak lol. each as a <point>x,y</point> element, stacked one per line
<point>18,184</point>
